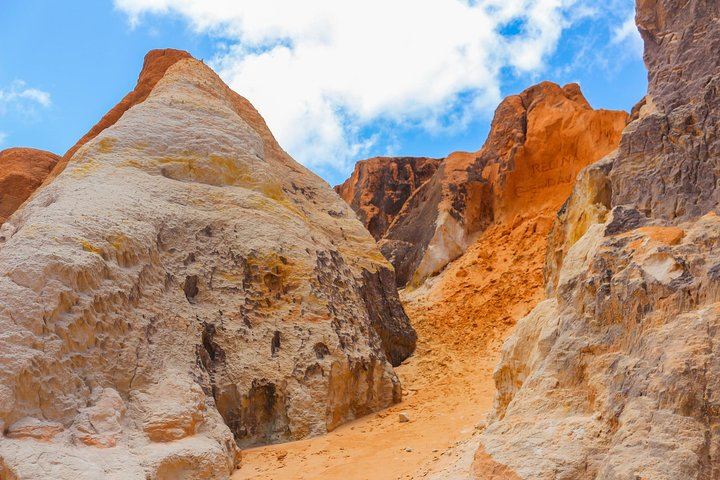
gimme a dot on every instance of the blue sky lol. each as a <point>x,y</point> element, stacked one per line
<point>348,80</point>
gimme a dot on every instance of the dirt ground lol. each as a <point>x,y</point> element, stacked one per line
<point>462,317</point>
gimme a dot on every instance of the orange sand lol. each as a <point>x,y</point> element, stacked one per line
<point>462,317</point>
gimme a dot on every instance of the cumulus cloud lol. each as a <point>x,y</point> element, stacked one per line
<point>22,98</point>
<point>324,73</point>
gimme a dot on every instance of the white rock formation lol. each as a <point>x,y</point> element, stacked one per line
<point>182,285</point>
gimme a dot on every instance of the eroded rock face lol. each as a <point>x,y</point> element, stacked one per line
<point>538,142</point>
<point>616,374</point>
<point>183,286</point>
<point>589,204</point>
<point>677,140</point>
<point>379,187</point>
<point>22,171</point>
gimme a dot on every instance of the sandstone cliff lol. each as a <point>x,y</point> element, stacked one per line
<point>182,286</point>
<point>22,171</point>
<point>380,186</point>
<point>616,375</point>
<point>467,310</point>
<point>538,142</point>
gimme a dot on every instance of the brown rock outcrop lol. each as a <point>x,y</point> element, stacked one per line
<point>22,171</point>
<point>380,186</point>
<point>589,204</point>
<point>176,291</point>
<point>616,374</point>
<point>538,142</point>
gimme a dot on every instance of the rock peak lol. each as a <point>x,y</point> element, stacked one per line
<point>242,300</point>
<point>163,57</point>
<point>156,63</point>
<point>538,142</point>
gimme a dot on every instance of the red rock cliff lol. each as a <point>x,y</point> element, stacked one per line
<point>616,373</point>
<point>380,186</point>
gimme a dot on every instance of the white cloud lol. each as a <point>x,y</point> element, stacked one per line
<point>322,71</point>
<point>22,98</point>
<point>3,137</point>
<point>628,34</point>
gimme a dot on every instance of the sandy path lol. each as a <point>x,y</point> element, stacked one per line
<point>444,399</point>
<point>461,316</point>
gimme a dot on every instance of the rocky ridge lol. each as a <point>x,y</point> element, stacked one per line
<point>182,286</point>
<point>464,312</point>
<point>616,374</point>
<point>539,141</point>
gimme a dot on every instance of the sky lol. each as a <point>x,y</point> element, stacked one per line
<point>336,80</point>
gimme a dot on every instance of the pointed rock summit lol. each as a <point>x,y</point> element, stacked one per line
<point>180,286</point>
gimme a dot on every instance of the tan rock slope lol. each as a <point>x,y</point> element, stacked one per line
<point>380,186</point>
<point>182,285</point>
<point>22,171</point>
<point>538,142</point>
<point>616,375</point>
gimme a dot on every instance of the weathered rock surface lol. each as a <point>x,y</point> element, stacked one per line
<point>589,204</point>
<point>538,142</point>
<point>616,375</point>
<point>183,286</point>
<point>22,171</point>
<point>380,186</point>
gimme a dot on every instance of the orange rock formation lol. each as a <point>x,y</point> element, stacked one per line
<point>22,170</point>
<point>380,186</point>
<point>509,193</point>
<point>616,374</point>
<point>538,142</point>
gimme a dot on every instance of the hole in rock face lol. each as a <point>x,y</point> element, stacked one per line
<point>275,345</point>
<point>190,287</point>
<point>321,350</point>
<point>256,417</point>
<point>273,282</point>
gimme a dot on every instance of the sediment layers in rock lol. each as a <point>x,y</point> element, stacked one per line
<point>182,285</point>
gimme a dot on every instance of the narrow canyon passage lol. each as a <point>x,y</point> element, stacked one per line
<point>462,317</point>
<point>445,398</point>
